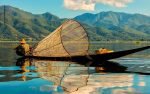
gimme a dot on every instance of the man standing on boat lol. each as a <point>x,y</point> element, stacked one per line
<point>23,49</point>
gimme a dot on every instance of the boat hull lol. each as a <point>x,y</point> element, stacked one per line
<point>95,57</point>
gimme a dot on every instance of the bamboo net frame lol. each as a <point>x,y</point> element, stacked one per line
<point>69,39</point>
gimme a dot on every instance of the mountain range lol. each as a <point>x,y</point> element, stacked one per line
<point>101,26</point>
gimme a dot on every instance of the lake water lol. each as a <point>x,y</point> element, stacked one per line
<point>126,75</point>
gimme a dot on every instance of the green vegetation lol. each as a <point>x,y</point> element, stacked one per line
<point>23,24</point>
<point>117,26</point>
<point>106,26</point>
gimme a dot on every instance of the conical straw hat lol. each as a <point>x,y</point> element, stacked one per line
<point>22,41</point>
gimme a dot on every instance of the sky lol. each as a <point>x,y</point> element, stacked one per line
<point>72,8</point>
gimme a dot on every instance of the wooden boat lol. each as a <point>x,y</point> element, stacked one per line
<point>93,57</point>
<point>70,41</point>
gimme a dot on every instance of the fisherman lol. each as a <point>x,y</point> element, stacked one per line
<point>23,49</point>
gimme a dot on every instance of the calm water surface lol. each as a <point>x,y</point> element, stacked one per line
<point>126,75</point>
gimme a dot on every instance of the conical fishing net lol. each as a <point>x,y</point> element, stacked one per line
<point>69,39</point>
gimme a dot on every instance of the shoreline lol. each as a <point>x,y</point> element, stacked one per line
<point>15,41</point>
<point>92,41</point>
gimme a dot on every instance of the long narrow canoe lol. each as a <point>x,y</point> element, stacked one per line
<point>95,57</point>
<point>70,41</point>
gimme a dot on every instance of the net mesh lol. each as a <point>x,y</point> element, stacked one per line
<point>69,39</point>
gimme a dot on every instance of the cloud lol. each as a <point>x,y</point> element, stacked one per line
<point>79,4</point>
<point>89,5</point>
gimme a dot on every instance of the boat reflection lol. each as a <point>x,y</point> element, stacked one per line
<point>75,78</point>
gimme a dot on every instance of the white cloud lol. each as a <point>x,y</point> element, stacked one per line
<point>79,4</point>
<point>90,4</point>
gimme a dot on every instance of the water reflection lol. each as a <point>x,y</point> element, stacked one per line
<point>75,78</point>
<point>24,70</point>
<point>24,65</point>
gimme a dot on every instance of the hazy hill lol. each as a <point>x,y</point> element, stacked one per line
<point>110,18</point>
<point>116,25</point>
<point>102,26</point>
<point>24,24</point>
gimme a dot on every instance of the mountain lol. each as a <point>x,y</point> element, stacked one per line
<point>110,18</point>
<point>102,26</point>
<point>117,25</point>
<point>19,23</point>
